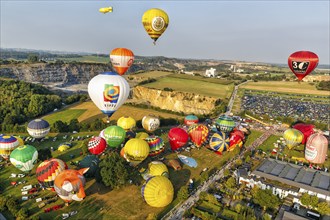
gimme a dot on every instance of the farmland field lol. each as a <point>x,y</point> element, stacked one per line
<point>193,86</point>
<point>284,87</point>
<point>88,59</point>
<point>152,74</point>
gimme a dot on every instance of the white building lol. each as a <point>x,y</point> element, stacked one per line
<point>210,72</point>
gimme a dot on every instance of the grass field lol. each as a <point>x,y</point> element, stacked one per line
<point>204,79</point>
<point>152,74</point>
<point>88,59</point>
<point>268,145</point>
<point>193,86</point>
<point>285,87</point>
<point>252,137</point>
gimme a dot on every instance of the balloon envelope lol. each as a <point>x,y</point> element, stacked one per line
<point>150,123</point>
<point>316,148</point>
<point>305,129</point>
<point>155,22</point>
<point>156,168</point>
<point>105,10</point>
<point>114,135</point>
<point>7,145</point>
<point>198,134</point>
<point>121,59</point>
<point>38,128</point>
<point>188,160</point>
<point>108,91</point>
<point>302,63</point>
<point>96,145</point>
<point>292,137</point>
<point>156,145</point>
<point>24,157</point>
<point>158,191</point>
<point>177,138</point>
<point>48,170</point>
<point>91,162</point>
<point>136,150</point>
<point>190,120</point>
<point>219,142</point>
<point>225,123</point>
<point>126,122</point>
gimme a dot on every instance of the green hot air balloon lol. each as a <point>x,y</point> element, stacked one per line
<point>225,124</point>
<point>24,157</point>
<point>114,135</point>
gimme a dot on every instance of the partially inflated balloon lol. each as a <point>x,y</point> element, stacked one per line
<point>108,91</point>
<point>177,138</point>
<point>198,134</point>
<point>142,135</point>
<point>305,129</point>
<point>292,137</point>
<point>7,145</point>
<point>91,162</point>
<point>155,22</point>
<point>20,140</point>
<point>114,135</point>
<point>316,148</point>
<point>126,122</point>
<point>158,191</point>
<point>156,168</point>
<point>302,63</point>
<point>150,123</point>
<point>219,142</point>
<point>24,157</point>
<point>190,120</point>
<point>121,59</point>
<point>48,170</point>
<point>38,128</point>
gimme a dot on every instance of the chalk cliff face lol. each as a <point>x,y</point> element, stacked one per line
<point>188,103</point>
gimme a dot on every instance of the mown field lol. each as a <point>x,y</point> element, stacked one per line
<point>217,90</point>
<point>87,111</point>
<point>151,74</point>
<point>284,87</point>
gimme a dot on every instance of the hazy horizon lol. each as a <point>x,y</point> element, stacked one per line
<point>250,31</point>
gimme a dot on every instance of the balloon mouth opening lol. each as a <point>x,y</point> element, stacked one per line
<point>109,73</point>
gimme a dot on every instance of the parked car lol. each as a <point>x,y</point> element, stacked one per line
<point>41,205</point>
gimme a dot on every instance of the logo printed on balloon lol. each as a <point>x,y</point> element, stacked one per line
<point>158,23</point>
<point>111,93</point>
<point>310,153</point>
<point>130,62</point>
<point>300,67</point>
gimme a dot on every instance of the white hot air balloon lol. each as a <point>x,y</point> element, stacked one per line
<point>108,91</point>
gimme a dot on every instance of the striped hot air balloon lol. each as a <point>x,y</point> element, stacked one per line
<point>158,191</point>
<point>156,145</point>
<point>114,135</point>
<point>24,157</point>
<point>96,145</point>
<point>219,142</point>
<point>7,145</point>
<point>225,123</point>
<point>198,134</point>
<point>38,128</point>
<point>121,59</point>
<point>293,137</point>
<point>48,170</point>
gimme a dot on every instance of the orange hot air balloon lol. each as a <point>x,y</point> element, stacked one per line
<point>302,63</point>
<point>121,59</point>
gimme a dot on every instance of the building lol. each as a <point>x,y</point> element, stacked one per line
<point>210,72</point>
<point>295,180</point>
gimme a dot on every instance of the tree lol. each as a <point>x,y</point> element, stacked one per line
<point>230,183</point>
<point>314,201</point>
<point>238,208</point>
<point>113,171</point>
<point>12,206</point>
<point>323,208</point>
<point>3,201</point>
<point>33,58</point>
<point>60,126</point>
<point>84,147</point>
<point>247,159</point>
<point>239,162</point>
<point>305,199</point>
<point>226,172</point>
<point>183,193</point>
<point>266,199</point>
<point>22,214</point>
<point>74,125</point>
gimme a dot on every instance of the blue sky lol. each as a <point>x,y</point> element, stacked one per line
<point>261,31</point>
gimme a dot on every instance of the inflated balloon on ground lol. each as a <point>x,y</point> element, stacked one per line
<point>7,145</point>
<point>38,128</point>
<point>48,170</point>
<point>24,157</point>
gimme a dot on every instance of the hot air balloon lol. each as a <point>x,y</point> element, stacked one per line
<point>136,150</point>
<point>177,138</point>
<point>158,191</point>
<point>121,59</point>
<point>91,162</point>
<point>114,135</point>
<point>190,120</point>
<point>237,132</point>
<point>7,145</point>
<point>96,145</point>
<point>219,142</point>
<point>305,129</point>
<point>105,10</point>
<point>155,22</point>
<point>292,137</point>
<point>126,122</point>
<point>156,145</point>
<point>198,134</point>
<point>102,134</point>
<point>38,128</point>
<point>302,63</point>
<point>150,123</point>
<point>156,168</point>
<point>108,91</point>
<point>69,185</point>
<point>225,123</point>
<point>129,135</point>
<point>20,140</point>
<point>63,147</point>
<point>316,148</point>
<point>142,135</point>
<point>24,157</point>
<point>48,170</point>
<point>188,160</point>
<point>234,141</point>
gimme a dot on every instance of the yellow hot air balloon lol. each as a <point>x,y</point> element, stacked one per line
<point>293,137</point>
<point>142,135</point>
<point>158,191</point>
<point>20,140</point>
<point>105,10</point>
<point>157,168</point>
<point>126,122</point>
<point>136,150</point>
<point>155,22</point>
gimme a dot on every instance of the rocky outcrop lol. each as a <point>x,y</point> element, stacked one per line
<point>65,74</point>
<point>188,103</point>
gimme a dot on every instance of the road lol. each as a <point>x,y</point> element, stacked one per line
<point>232,98</point>
<point>178,211</point>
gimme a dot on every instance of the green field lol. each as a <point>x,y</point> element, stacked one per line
<point>193,86</point>
<point>88,59</point>
<point>252,137</point>
<point>151,74</point>
<point>65,115</point>
<point>268,145</point>
<point>201,78</point>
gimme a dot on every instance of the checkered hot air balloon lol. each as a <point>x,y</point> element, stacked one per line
<point>156,145</point>
<point>198,134</point>
<point>219,142</point>
<point>48,170</point>
<point>7,145</point>
<point>96,145</point>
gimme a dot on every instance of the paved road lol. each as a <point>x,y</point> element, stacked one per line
<point>232,98</point>
<point>178,211</point>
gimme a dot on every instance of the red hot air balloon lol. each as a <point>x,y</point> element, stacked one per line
<point>316,148</point>
<point>97,145</point>
<point>302,63</point>
<point>306,129</point>
<point>238,133</point>
<point>177,138</point>
<point>198,134</point>
<point>235,140</point>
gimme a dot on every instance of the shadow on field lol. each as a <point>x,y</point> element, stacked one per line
<point>179,178</point>
<point>66,156</point>
<point>98,188</point>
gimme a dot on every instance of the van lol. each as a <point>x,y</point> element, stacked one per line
<point>24,192</point>
<point>38,199</point>
<point>24,198</point>
<point>41,205</point>
<point>26,188</point>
